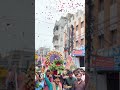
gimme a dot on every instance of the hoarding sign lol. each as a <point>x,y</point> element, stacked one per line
<point>117,63</point>
<point>103,62</point>
<point>111,52</point>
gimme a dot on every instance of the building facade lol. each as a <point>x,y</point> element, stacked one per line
<point>58,32</point>
<point>74,38</point>
<point>105,44</point>
<point>43,51</point>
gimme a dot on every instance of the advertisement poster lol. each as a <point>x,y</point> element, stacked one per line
<point>117,63</point>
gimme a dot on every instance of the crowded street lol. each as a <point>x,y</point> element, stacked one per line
<point>52,74</point>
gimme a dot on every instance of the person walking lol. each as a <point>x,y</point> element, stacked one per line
<point>55,85</point>
<point>10,81</point>
<point>79,84</point>
<point>68,84</point>
<point>39,82</point>
<point>49,76</point>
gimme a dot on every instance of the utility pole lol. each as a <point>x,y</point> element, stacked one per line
<point>89,31</point>
<point>68,29</point>
<point>72,37</point>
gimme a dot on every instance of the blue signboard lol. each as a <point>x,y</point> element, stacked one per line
<point>117,62</point>
<point>82,47</point>
<point>83,50</point>
<point>112,52</point>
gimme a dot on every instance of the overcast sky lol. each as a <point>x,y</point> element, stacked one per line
<point>46,13</point>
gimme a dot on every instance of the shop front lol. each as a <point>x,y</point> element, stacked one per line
<point>79,57</point>
<point>106,65</point>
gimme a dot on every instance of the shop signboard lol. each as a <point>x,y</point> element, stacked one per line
<point>113,52</point>
<point>82,47</point>
<point>117,63</point>
<point>78,53</point>
<point>103,63</point>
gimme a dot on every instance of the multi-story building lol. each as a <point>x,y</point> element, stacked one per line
<point>43,51</point>
<point>58,31</point>
<point>74,38</point>
<point>105,59</point>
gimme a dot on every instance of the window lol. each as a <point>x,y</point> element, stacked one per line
<point>114,37</point>
<point>61,39</point>
<point>101,41</point>
<point>77,44</point>
<point>82,24</point>
<point>56,27</point>
<point>73,17</point>
<point>69,20</point>
<point>76,14</point>
<point>77,28</point>
<point>82,64</point>
<point>101,5</point>
<point>82,41</point>
<point>112,2</point>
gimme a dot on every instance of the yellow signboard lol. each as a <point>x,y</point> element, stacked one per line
<point>36,56</point>
<point>3,72</point>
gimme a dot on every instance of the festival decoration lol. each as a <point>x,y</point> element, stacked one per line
<point>47,63</point>
<point>54,55</point>
<point>69,62</point>
<point>57,66</point>
<point>55,62</point>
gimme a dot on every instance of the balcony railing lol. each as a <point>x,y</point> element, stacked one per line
<point>56,43</point>
<point>56,33</point>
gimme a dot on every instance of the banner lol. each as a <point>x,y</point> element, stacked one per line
<point>103,63</point>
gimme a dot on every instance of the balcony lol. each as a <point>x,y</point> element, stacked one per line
<point>55,43</point>
<point>55,38</point>
<point>56,33</point>
<point>82,36</point>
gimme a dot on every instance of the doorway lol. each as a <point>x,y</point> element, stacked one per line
<point>113,81</point>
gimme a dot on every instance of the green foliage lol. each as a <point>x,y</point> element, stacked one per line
<point>58,61</point>
<point>54,65</point>
<point>73,67</point>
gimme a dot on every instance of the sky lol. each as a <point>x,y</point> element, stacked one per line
<point>46,14</point>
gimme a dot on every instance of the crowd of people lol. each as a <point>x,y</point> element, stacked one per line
<point>68,80</point>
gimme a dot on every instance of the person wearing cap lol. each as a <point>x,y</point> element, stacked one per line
<point>68,84</point>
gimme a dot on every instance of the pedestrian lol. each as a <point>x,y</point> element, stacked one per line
<point>80,70</point>
<point>79,84</point>
<point>57,83</point>
<point>68,84</point>
<point>39,82</point>
<point>10,81</point>
<point>49,76</point>
<point>64,76</point>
